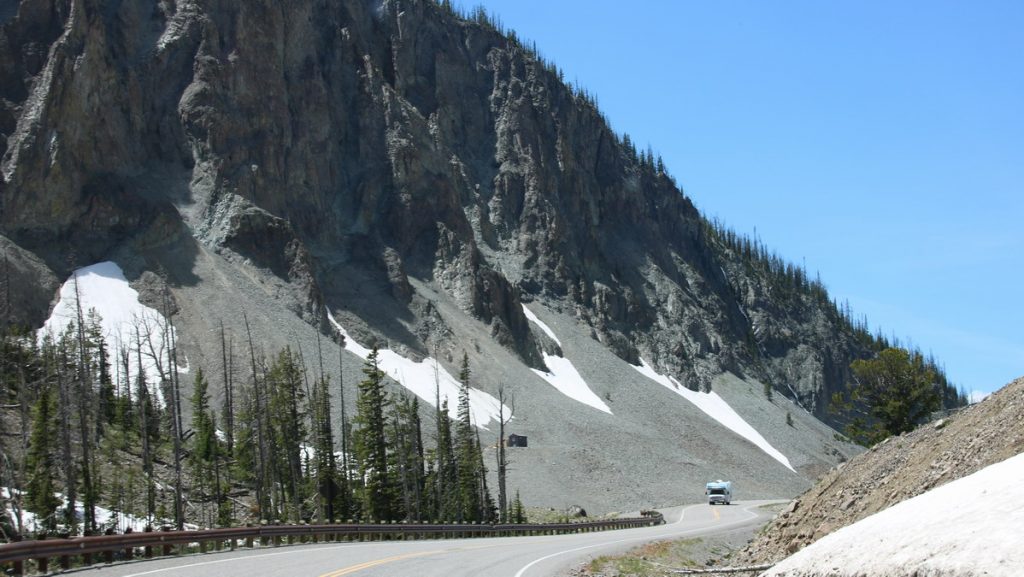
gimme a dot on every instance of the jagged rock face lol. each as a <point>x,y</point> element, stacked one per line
<point>332,140</point>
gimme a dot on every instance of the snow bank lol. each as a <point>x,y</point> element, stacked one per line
<point>124,320</point>
<point>420,378</point>
<point>563,375</point>
<point>715,407</point>
<point>105,518</point>
<point>971,526</point>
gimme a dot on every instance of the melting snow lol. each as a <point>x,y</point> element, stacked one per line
<point>420,378</point>
<point>563,375</point>
<point>105,518</point>
<point>104,288</point>
<point>715,407</point>
<point>971,526</point>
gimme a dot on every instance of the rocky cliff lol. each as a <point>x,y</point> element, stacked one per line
<point>415,172</point>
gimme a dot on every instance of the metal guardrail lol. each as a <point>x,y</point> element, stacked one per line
<point>104,548</point>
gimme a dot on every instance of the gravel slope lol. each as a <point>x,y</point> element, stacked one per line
<point>896,470</point>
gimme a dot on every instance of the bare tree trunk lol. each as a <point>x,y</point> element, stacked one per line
<point>341,401</point>
<point>175,406</point>
<point>262,447</point>
<point>84,396</point>
<point>229,401</point>
<point>502,457</point>
<point>70,479</point>
<point>147,450</point>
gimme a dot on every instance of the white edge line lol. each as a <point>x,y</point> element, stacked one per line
<point>243,557</point>
<point>682,514</point>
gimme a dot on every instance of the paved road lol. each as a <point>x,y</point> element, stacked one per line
<point>500,557</point>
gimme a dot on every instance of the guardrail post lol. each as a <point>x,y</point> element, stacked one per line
<point>167,546</point>
<point>17,567</point>
<point>108,555</point>
<point>129,551</point>
<point>65,561</point>
<point>147,551</point>
<point>42,563</point>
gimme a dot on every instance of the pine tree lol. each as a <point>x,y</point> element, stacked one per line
<point>204,456</point>
<point>467,456</point>
<point>371,443</point>
<point>408,451</point>
<point>893,392</point>
<point>518,513</point>
<point>106,401</point>
<point>326,473</point>
<point>41,466</point>
<point>285,398</point>
<point>445,482</point>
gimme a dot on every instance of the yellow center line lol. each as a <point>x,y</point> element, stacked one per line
<point>376,562</point>
<point>717,514</point>
<point>386,560</point>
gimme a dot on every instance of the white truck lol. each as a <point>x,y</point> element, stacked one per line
<point>719,492</point>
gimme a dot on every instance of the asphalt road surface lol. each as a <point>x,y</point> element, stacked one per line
<point>500,557</point>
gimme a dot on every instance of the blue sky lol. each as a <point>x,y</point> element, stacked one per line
<point>880,143</point>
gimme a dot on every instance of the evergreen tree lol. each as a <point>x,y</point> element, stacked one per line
<point>204,437</point>
<point>467,454</point>
<point>41,466</point>
<point>408,452</point>
<point>444,483</point>
<point>371,443</point>
<point>285,396</point>
<point>518,513</point>
<point>205,453</point>
<point>892,394</point>
<point>326,473</point>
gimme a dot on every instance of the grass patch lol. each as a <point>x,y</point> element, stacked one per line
<point>649,560</point>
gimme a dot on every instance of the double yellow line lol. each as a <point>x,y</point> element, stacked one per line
<point>368,564</point>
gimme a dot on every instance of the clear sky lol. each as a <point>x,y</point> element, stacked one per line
<point>880,143</point>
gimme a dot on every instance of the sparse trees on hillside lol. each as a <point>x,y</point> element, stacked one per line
<point>282,427</point>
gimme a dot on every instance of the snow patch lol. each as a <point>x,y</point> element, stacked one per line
<point>971,526</point>
<point>563,375</point>
<point>125,321</point>
<point>547,330</point>
<point>715,407</point>
<point>420,378</point>
<point>105,518</point>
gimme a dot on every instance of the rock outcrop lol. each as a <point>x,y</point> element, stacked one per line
<point>384,140</point>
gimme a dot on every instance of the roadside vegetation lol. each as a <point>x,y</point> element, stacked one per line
<point>84,429</point>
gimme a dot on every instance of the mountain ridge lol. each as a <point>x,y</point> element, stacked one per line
<point>419,176</point>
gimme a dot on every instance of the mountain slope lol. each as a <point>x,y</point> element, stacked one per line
<point>418,176</point>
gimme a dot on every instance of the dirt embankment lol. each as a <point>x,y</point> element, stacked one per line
<point>895,470</point>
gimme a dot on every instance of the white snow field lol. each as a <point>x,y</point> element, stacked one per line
<point>715,407</point>
<point>969,527</point>
<point>420,378</point>
<point>126,323</point>
<point>563,375</point>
